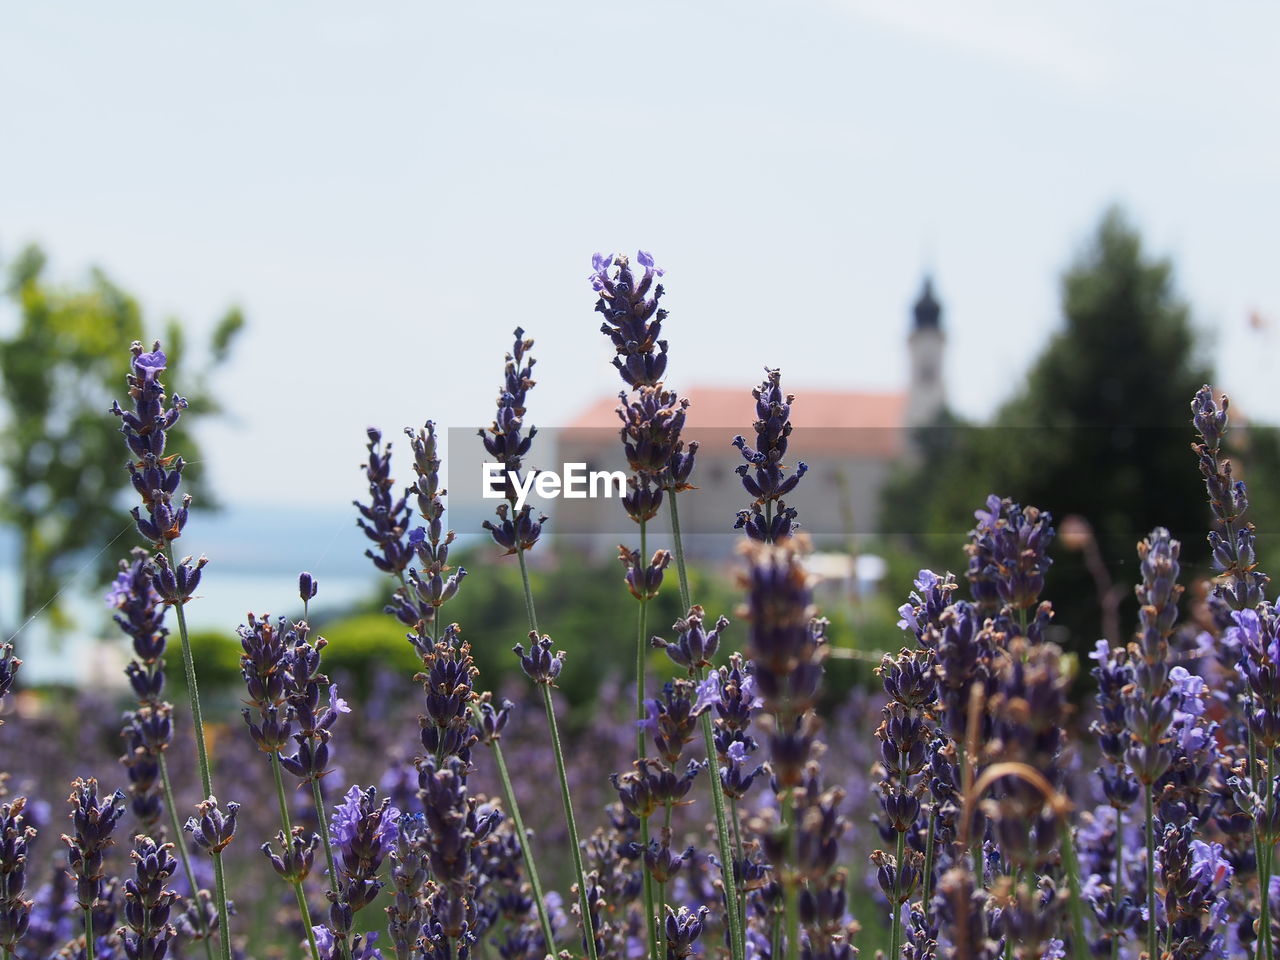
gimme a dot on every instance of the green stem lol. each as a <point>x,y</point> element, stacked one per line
<point>588,928</point>
<point>220,891</point>
<point>737,937</point>
<point>202,757</point>
<point>791,882</point>
<point>1153,942</point>
<point>678,542</point>
<point>299,891</point>
<point>662,887</point>
<point>509,794</point>
<point>740,852</point>
<point>895,903</point>
<point>179,841</point>
<point>642,642</point>
<point>326,841</point>
<point>88,934</point>
<point>1079,946</point>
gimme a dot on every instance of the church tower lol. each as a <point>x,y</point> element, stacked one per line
<point>927,394</point>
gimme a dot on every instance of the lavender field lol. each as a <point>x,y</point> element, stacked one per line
<point>988,795</point>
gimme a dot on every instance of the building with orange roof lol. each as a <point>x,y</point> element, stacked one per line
<point>851,441</point>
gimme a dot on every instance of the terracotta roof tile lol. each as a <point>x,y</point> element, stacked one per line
<point>844,421</point>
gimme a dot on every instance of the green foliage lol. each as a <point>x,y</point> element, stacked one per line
<point>216,655</point>
<point>362,645</point>
<point>1099,429</point>
<point>584,606</point>
<point>60,450</point>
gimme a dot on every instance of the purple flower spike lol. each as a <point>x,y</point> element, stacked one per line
<point>696,646</point>
<point>154,475</point>
<point>764,475</point>
<point>15,910</point>
<point>632,317</point>
<point>540,665</point>
<point>93,819</point>
<point>213,830</point>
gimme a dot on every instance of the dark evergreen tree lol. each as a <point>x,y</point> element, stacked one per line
<point>1100,429</point>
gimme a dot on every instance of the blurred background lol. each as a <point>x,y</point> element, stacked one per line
<point>992,246</point>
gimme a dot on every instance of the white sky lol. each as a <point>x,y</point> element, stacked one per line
<point>389,190</point>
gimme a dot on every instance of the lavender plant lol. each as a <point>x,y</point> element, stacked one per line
<point>157,478</point>
<point>990,836</point>
<point>662,465</point>
<point>764,475</point>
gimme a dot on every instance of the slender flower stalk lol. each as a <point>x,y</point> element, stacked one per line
<point>724,838</point>
<point>507,443</point>
<point>644,582</point>
<point>543,667</point>
<point>156,477</point>
<point>652,422</point>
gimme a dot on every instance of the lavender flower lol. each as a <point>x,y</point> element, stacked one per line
<point>632,317</point>
<point>764,475</point>
<point>296,857</point>
<point>147,733</point>
<point>148,902</point>
<point>155,476</point>
<point>1008,558</point>
<point>313,713</point>
<point>904,733</point>
<point>213,830</point>
<point>540,665</point>
<point>418,602</point>
<point>644,580</point>
<point>361,946</point>
<point>504,441</point>
<point>448,684</point>
<point>696,646</point>
<point>683,928</point>
<point>925,605</point>
<point>1196,877</point>
<point>385,518</point>
<point>93,820</point>
<point>1231,539</point>
<point>735,707</point>
<point>408,877</point>
<point>1148,708</point>
<point>15,909</point>
<point>363,833</point>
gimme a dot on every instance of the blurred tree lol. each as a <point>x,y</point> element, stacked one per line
<point>1100,428</point>
<point>60,449</point>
